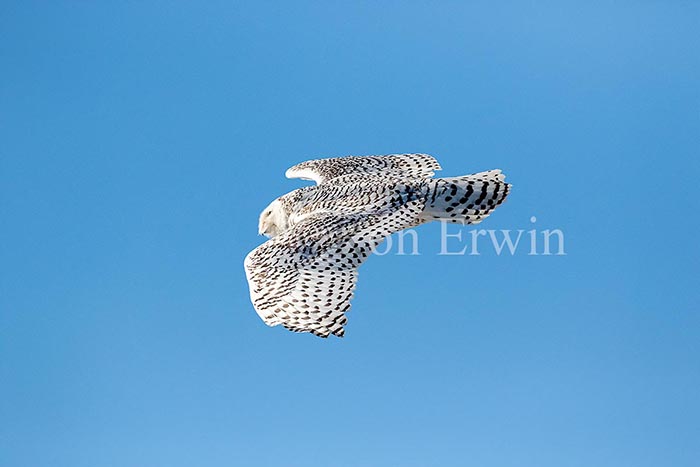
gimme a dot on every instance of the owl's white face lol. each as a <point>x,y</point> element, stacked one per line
<point>273,220</point>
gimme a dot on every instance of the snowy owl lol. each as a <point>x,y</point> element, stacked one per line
<point>303,277</point>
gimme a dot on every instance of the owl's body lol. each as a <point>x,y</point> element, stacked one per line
<point>304,276</point>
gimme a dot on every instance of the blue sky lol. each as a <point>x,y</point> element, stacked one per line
<point>139,142</point>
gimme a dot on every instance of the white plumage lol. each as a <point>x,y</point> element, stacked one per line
<point>304,276</point>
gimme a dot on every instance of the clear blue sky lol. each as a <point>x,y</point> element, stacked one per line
<point>139,142</point>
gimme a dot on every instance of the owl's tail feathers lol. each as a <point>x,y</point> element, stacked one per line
<point>466,200</point>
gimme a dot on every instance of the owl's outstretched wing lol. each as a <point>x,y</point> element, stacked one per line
<point>304,278</point>
<point>397,165</point>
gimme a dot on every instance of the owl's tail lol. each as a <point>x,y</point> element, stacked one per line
<point>466,200</point>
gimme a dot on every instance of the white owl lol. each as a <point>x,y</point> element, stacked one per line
<point>304,276</point>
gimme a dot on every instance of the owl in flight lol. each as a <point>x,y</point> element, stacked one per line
<point>303,277</point>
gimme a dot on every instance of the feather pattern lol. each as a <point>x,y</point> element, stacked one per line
<point>304,277</point>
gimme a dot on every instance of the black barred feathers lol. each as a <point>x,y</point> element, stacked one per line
<point>304,276</point>
<point>466,200</point>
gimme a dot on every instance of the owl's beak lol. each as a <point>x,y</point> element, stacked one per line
<point>266,228</point>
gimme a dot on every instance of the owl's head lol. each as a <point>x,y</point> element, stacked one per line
<point>273,220</point>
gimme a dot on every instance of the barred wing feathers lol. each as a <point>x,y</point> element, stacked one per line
<point>304,278</point>
<point>398,165</point>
